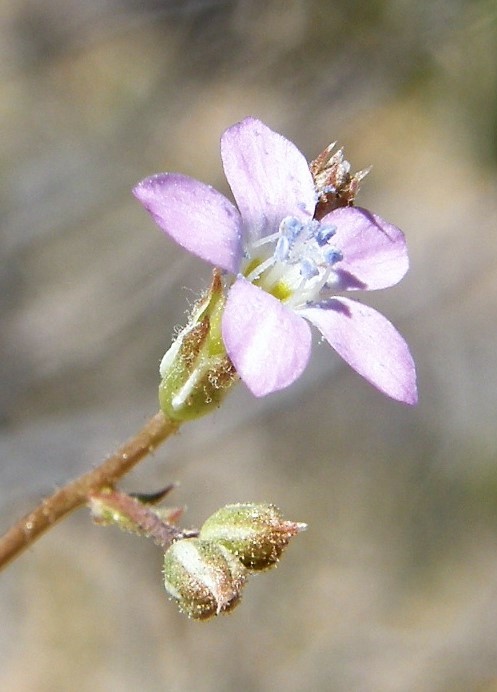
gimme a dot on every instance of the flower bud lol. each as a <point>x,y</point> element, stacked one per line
<point>255,533</point>
<point>203,577</point>
<point>196,371</point>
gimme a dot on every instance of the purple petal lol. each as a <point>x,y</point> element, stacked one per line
<point>196,216</point>
<point>370,344</point>
<point>374,251</point>
<point>268,344</point>
<point>268,175</point>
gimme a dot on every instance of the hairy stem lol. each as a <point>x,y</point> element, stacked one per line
<point>113,507</point>
<point>71,496</point>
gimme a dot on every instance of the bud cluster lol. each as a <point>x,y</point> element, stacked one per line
<point>204,571</point>
<point>206,574</point>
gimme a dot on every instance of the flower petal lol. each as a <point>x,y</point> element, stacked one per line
<point>196,216</point>
<point>369,344</point>
<point>374,251</point>
<point>268,175</point>
<point>268,344</point>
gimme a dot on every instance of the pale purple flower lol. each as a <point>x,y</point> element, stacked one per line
<point>289,268</point>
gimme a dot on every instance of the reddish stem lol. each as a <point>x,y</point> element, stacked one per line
<point>75,494</point>
<point>134,516</point>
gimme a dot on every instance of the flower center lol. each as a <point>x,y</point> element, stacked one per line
<point>301,263</point>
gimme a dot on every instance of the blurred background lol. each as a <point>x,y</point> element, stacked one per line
<point>394,586</point>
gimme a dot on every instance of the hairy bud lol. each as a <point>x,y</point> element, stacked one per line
<point>255,533</point>
<point>204,577</point>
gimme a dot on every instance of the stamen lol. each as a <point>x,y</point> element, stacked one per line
<point>282,249</point>
<point>333,256</point>
<point>265,240</point>
<point>308,268</point>
<point>324,234</point>
<point>302,261</point>
<point>291,228</point>
<point>332,281</point>
<point>260,269</point>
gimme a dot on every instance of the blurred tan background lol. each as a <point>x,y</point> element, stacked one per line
<point>394,586</point>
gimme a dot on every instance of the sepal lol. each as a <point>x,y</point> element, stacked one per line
<point>196,371</point>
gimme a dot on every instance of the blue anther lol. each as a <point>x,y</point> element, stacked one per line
<point>332,257</point>
<point>291,227</point>
<point>308,268</point>
<point>324,234</point>
<point>282,249</point>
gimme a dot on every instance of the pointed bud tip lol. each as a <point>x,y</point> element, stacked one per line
<point>292,528</point>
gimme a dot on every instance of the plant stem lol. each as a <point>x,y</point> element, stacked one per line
<point>71,496</point>
<point>113,507</point>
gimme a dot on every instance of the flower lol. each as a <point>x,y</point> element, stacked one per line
<point>289,267</point>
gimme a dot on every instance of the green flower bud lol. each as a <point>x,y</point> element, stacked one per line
<point>196,371</point>
<point>255,533</point>
<point>203,577</point>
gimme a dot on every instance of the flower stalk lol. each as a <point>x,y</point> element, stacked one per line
<point>75,494</point>
<point>111,507</point>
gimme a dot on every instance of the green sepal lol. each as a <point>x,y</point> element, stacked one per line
<point>196,371</point>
